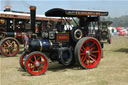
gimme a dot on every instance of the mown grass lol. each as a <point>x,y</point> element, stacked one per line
<point>112,70</point>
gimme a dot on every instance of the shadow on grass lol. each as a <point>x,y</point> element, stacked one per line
<point>53,68</point>
<point>122,50</point>
<point>20,69</point>
<point>57,68</point>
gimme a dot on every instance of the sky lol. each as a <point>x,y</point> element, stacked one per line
<point>115,8</point>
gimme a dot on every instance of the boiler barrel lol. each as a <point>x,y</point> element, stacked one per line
<point>40,45</point>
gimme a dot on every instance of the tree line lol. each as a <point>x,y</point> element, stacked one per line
<point>119,21</point>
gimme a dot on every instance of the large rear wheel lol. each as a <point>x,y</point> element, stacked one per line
<point>9,47</point>
<point>36,63</point>
<point>88,52</point>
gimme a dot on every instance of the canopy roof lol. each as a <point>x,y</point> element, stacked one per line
<point>26,16</point>
<point>59,12</point>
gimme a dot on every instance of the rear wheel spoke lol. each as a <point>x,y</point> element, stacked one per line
<point>84,58</point>
<point>92,45</point>
<point>92,58</point>
<point>94,51</point>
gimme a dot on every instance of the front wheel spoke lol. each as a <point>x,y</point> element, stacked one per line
<point>31,65</point>
<point>35,58</point>
<point>31,61</point>
<point>38,58</point>
<point>42,66</point>
<point>32,69</point>
<point>38,69</point>
<point>42,62</point>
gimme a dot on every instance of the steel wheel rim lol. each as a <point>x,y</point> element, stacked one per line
<point>33,68</point>
<point>9,47</point>
<point>90,53</point>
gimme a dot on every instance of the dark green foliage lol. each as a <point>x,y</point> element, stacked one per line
<point>119,21</point>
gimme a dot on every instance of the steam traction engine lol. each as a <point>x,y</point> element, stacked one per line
<point>14,25</point>
<point>79,44</point>
<point>105,32</point>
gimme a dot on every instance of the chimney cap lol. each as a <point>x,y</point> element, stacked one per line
<point>32,7</point>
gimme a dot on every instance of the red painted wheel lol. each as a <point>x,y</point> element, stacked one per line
<point>36,63</point>
<point>9,47</point>
<point>88,52</point>
<point>22,60</point>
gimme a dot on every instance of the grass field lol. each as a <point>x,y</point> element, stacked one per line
<point>112,70</point>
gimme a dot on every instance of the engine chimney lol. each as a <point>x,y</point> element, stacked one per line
<point>33,17</point>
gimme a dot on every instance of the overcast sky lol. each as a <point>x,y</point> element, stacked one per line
<point>114,7</point>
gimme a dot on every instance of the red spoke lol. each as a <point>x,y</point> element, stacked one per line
<point>92,58</point>
<point>88,61</point>
<point>35,58</point>
<point>31,65</point>
<point>38,58</point>
<point>82,53</point>
<point>92,48</point>
<point>93,55</point>
<point>32,69</point>
<point>94,51</point>
<point>38,69</point>
<point>92,45</point>
<point>31,61</point>
<point>84,59</point>
<point>42,62</point>
<point>87,44</point>
<point>81,50</point>
<point>42,66</point>
<point>84,47</point>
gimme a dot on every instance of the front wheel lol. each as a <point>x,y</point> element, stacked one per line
<point>22,60</point>
<point>88,52</point>
<point>36,63</point>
